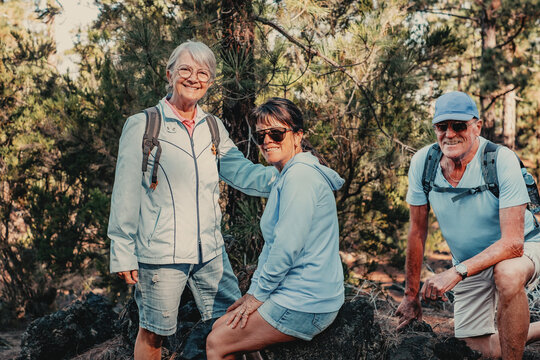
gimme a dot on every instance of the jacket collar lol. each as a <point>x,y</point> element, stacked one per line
<point>169,115</point>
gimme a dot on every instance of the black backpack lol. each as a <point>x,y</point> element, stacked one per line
<point>489,173</point>
<point>151,134</point>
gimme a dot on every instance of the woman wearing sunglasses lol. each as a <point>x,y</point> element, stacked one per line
<point>166,235</point>
<point>297,289</point>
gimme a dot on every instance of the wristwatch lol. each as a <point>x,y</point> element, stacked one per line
<point>462,270</point>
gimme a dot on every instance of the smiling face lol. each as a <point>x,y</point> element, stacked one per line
<point>459,145</point>
<point>187,91</point>
<point>278,153</point>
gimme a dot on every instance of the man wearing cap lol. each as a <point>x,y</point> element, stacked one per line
<point>493,263</point>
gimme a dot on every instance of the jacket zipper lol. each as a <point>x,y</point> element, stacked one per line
<point>199,244</point>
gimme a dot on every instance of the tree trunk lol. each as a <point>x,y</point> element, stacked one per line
<point>509,107</point>
<point>238,79</point>
<point>509,119</point>
<point>489,42</point>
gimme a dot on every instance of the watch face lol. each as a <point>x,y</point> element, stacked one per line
<point>462,269</point>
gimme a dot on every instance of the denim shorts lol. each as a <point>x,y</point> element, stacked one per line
<point>302,325</point>
<point>160,287</point>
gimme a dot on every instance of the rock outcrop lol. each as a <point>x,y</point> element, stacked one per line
<point>68,332</point>
<point>355,334</point>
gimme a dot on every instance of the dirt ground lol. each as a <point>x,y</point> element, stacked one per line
<point>10,344</point>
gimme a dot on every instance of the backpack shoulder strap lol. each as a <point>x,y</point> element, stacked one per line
<point>150,139</point>
<point>430,168</point>
<point>489,167</point>
<point>214,133</point>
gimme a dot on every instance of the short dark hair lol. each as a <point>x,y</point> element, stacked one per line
<point>280,109</point>
<point>286,112</point>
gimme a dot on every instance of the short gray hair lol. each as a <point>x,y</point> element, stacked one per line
<point>200,52</point>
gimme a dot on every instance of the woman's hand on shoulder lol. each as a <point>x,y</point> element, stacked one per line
<point>241,310</point>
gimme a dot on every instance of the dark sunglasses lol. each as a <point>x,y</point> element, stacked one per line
<point>277,134</point>
<point>458,126</point>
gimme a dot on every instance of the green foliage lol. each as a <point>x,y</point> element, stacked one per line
<point>247,240</point>
<point>53,171</point>
<point>364,73</point>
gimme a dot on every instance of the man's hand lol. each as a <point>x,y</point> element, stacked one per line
<point>130,277</point>
<point>409,309</point>
<point>436,286</point>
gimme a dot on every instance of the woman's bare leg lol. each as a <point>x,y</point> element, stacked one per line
<point>224,342</point>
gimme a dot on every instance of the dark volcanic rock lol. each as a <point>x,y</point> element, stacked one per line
<point>417,326</point>
<point>454,349</point>
<point>418,341</point>
<point>353,335</point>
<point>69,331</point>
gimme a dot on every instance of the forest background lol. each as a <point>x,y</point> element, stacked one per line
<point>365,73</point>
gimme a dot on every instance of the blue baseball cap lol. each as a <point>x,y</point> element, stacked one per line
<point>455,105</point>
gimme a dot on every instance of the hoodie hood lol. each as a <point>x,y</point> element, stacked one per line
<point>334,180</point>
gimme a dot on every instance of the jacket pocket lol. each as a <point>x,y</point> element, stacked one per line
<point>156,222</point>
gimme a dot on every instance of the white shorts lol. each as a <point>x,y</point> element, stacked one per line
<point>475,298</point>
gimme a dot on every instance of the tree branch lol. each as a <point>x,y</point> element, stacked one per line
<point>513,36</point>
<point>498,94</point>
<point>341,68</point>
<point>437,12</point>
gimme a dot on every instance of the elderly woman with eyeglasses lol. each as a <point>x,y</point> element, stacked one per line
<point>166,235</point>
<point>297,289</point>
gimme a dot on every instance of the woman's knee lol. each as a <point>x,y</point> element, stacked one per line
<point>213,341</point>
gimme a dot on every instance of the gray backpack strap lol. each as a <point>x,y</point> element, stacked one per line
<point>150,139</point>
<point>430,168</point>
<point>489,167</point>
<point>489,173</point>
<point>430,171</point>
<point>463,192</point>
<point>214,133</point>
<point>532,189</point>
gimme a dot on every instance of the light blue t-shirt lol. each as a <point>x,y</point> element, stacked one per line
<point>471,224</point>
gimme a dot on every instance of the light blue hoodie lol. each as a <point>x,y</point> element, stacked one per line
<point>299,267</point>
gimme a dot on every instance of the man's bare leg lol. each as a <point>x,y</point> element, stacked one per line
<point>511,276</point>
<point>515,331</point>
<point>148,345</point>
<point>490,346</point>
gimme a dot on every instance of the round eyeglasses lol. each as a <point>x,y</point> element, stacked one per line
<point>185,72</point>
